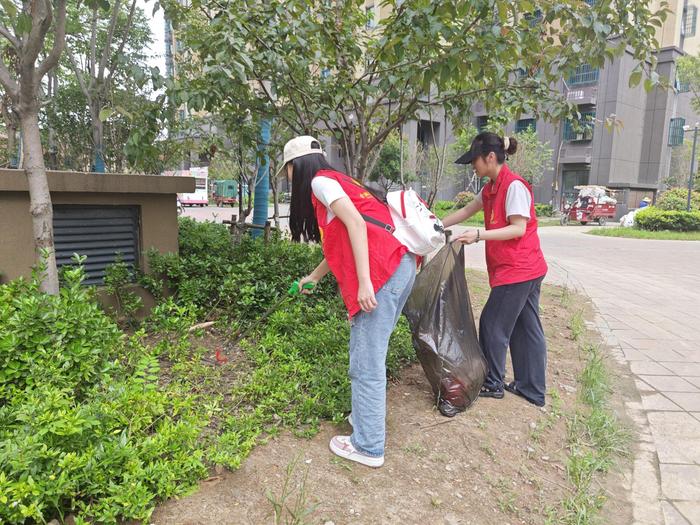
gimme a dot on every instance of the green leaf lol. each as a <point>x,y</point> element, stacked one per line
<point>24,24</point>
<point>124,112</point>
<point>105,113</point>
<point>9,8</point>
<point>635,79</point>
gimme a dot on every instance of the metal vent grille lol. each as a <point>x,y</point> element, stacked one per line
<point>98,232</point>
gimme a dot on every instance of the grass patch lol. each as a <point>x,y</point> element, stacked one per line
<point>577,326</point>
<point>595,438</point>
<point>634,233</point>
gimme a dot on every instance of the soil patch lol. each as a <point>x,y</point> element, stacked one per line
<point>502,461</point>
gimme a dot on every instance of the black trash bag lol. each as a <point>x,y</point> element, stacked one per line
<point>444,334</point>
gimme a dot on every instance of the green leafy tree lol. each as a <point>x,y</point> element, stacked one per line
<point>332,70</point>
<point>109,54</point>
<point>387,170</point>
<point>27,27</point>
<point>680,166</point>
<point>688,72</point>
<point>533,158</point>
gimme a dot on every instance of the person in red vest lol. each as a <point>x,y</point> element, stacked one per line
<point>516,268</point>
<point>375,274</point>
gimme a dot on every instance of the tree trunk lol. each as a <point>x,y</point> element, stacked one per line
<point>53,149</point>
<point>98,161</point>
<point>274,182</point>
<point>40,198</point>
<point>12,155</point>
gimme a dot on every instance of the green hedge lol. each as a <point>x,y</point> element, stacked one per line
<point>544,210</point>
<point>655,219</point>
<point>677,199</point>
<point>85,426</point>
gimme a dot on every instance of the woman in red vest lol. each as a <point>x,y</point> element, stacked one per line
<point>516,269</point>
<point>375,274</point>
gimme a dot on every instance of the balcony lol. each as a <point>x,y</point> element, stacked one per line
<point>583,95</point>
<point>583,75</point>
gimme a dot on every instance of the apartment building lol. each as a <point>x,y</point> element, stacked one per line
<point>634,158</point>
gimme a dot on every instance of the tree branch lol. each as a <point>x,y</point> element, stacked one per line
<point>108,42</point>
<point>41,23</point>
<point>59,40</point>
<point>129,21</point>
<point>93,47</point>
<point>382,135</point>
<point>9,83</point>
<point>12,39</point>
<point>79,76</point>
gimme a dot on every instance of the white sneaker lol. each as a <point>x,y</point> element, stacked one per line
<point>349,418</point>
<point>341,446</point>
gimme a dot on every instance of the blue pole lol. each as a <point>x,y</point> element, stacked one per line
<point>98,162</point>
<point>262,181</point>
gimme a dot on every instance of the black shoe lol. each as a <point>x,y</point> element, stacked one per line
<point>495,393</point>
<point>514,390</point>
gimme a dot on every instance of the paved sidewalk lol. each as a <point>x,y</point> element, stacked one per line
<point>647,294</point>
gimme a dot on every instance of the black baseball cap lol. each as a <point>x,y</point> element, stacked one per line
<point>467,157</point>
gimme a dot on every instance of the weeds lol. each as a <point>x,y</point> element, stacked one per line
<point>595,438</point>
<point>292,506</point>
<point>416,449</point>
<point>577,326</point>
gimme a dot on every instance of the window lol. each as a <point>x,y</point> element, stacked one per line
<point>481,123</point>
<point>675,132</point>
<point>682,87</point>
<point>580,130</point>
<point>428,132</point>
<point>584,74</point>
<point>99,233</point>
<point>690,19</point>
<point>525,124</point>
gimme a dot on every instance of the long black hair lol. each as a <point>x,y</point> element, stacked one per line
<point>302,218</point>
<point>486,142</point>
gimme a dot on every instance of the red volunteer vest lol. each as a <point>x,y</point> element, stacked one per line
<point>515,260</point>
<point>385,251</point>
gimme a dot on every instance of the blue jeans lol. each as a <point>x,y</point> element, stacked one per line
<point>369,341</point>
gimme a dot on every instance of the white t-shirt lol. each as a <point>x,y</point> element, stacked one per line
<point>327,191</point>
<point>518,199</point>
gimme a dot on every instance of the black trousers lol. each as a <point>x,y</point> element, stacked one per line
<point>511,318</point>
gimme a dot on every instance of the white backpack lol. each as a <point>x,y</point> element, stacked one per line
<point>415,225</point>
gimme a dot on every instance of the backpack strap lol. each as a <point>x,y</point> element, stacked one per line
<point>376,222</point>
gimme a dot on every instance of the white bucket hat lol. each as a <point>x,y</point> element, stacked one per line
<point>300,146</point>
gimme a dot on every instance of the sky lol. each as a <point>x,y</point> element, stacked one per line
<point>157,51</point>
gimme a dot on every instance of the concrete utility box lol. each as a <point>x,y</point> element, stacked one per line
<point>95,214</point>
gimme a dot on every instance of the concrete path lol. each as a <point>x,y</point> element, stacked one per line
<point>647,294</point>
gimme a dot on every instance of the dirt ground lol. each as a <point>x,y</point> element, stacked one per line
<point>500,462</point>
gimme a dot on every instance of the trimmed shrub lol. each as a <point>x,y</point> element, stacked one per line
<point>463,198</point>
<point>655,219</point>
<point>544,210</point>
<point>65,340</point>
<point>85,426</point>
<point>676,199</point>
<point>444,207</point>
